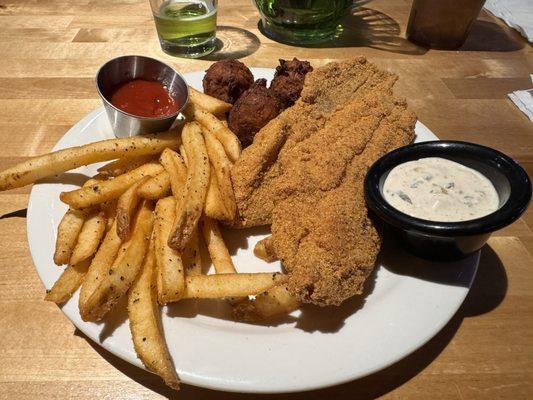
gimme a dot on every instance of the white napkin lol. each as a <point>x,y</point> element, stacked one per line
<point>524,101</point>
<point>518,14</point>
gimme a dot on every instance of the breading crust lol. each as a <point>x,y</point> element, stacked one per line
<point>304,174</point>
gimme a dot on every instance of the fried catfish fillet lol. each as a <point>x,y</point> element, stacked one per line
<point>304,175</point>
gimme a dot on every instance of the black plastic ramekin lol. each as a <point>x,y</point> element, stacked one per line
<point>451,240</point>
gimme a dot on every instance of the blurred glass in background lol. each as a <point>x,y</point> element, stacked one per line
<point>302,21</point>
<point>186,28</point>
<point>442,24</point>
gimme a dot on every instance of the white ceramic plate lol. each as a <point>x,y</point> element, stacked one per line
<point>408,301</point>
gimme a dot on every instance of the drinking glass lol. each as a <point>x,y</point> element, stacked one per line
<point>442,24</point>
<point>186,28</point>
<point>302,21</point>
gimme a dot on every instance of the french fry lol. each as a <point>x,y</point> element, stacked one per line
<point>69,281</point>
<point>182,166</point>
<point>89,237</point>
<point>214,206</point>
<point>229,140</point>
<point>264,249</point>
<point>108,190</point>
<point>177,172</point>
<point>229,285</point>
<point>170,271</point>
<point>69,229</point>
<point>99,268</point>
<point>191,257</point>
<point>94,180</point>
<point>121,274</point>
<point>145,325</point>
<point>60,161</point>
<point>183,154</point>
<point>156,187</point>
<point>274,302</point>
<point>217,248</point>
<point>126,206</point>
<point>208,103</point>
<point>67,235</point>
<point>190,207</point>
<point>110,210</point>
<point>123,165</point>
<point>222,167</point>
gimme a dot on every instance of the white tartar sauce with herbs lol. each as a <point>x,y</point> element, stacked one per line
<point>438,189</point>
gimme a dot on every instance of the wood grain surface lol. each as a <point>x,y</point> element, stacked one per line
<point>50,51</point>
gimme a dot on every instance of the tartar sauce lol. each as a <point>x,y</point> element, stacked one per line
<point>438,189</point>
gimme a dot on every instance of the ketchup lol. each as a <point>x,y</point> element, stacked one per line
<point>144,99</point>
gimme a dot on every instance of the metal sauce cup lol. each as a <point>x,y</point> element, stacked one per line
<point>126,68</point>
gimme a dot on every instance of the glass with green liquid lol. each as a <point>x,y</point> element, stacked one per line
<point>186,28</point>
<point>302,21</point>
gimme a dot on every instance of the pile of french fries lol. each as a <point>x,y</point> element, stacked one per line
<point>135,228</point>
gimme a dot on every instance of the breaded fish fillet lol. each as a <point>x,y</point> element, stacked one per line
<point>304,174</point>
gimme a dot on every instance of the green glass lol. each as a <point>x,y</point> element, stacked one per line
<point>302,21</point>
<point>185,28</point>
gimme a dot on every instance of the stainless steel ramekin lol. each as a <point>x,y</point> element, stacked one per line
<point>126,68</point>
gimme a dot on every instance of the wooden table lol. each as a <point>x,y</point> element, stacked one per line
<point>50,51</point>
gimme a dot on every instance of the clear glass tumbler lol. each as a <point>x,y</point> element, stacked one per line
<point>186,28</point>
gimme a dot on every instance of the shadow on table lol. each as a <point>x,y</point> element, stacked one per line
<point>489,36</point>
<point>487,292</point>
<point>233,43</point>
<point>365,27</point>
<point>400,262</point>
<point>22,213</point>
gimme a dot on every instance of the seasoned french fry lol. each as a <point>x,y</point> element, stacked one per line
<point>190,207</point>
<point>214,206</point>
<point>89,238</point>
<point>182,166</point>
<point>222,167</point>
<point>69,281</point>
<point>229,140</point>
<point>99,268</point>
<point>60,161</point>
<point>191,257</point>
<point>93,181</point>
<point>170,271</point>
<point>175,167</point>
<point>229,285</point>
<point>67,234</point>
<point>156,187</point>
<point>69,229</point>
<point>183,154</point>
<point>110,210</point>
<point>108,190</point>
<point>208,103</point>
<point>217,248</point>
<point>121,274</point>
<point>123,165</point>
<point>145,326</point>
<point>274,302</point>
<point>264,249</point>
<point>126,205</point>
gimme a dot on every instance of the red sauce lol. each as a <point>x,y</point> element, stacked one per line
<point>144,99</point>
